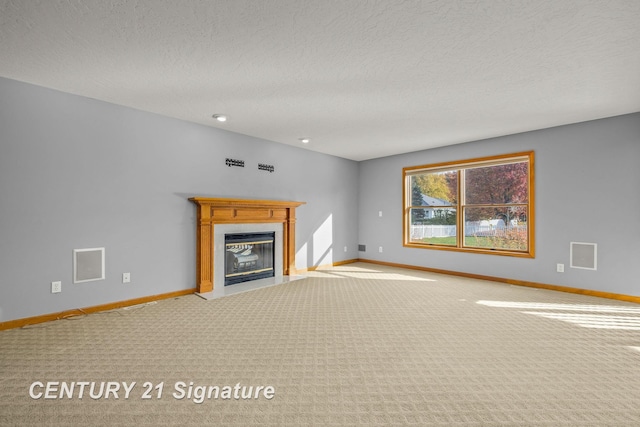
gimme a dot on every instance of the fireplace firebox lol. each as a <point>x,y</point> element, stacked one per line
<point>248,256</point>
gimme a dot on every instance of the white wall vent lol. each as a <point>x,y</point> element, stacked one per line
<point>88,265</point>
<point>584,255</point>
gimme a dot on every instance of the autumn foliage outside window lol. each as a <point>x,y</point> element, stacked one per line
<point>478,205</point>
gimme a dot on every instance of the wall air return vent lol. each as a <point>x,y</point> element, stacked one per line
<point>584,255</point>
<point>88,265</point>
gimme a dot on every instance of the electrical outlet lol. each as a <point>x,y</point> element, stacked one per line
<point>56,287</point>
<point>380,249</point>
<point>560,268</point>
<point>345,249</point>
<point>380,213</point>
<point>126,277</point>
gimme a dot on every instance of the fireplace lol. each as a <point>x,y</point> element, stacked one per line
<point>248,256</point>
<point>218,217</point>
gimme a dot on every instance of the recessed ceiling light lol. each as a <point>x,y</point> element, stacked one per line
<point>220,117</point>
<point>304,140</point>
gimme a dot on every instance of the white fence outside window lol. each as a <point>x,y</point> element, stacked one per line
<point>419,232</point>
<point>472,228</point>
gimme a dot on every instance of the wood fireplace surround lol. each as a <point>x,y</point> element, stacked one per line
<point>212,211</point>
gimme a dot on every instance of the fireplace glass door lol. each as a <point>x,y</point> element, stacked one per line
<point>248,256</point>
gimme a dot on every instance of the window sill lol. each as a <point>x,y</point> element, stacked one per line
<point>501,252</point>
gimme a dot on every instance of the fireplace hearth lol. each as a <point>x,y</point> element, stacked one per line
<point>248,256</point>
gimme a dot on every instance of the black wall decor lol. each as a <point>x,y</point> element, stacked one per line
<point>234,162</point>
<point>264,167</point>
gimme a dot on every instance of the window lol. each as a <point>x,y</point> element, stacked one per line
<point>480,205</point>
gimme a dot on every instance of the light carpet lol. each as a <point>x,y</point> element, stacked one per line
<point>359,344</point>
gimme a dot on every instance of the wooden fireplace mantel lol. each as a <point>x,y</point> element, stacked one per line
<point>213,211</point>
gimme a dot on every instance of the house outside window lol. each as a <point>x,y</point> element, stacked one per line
<point>483,205</point>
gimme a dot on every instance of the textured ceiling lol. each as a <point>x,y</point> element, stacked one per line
<point>362,79</point>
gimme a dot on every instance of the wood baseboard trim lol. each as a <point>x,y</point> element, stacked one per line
<point>599,294</point>
<point>345,262</point>
<point>317,267</point>
<point>19,323</point>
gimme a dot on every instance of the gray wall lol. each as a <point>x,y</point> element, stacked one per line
<point>587,190</point>
<point>79,173</point>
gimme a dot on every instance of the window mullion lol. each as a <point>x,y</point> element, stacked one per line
<point>460,216</point>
